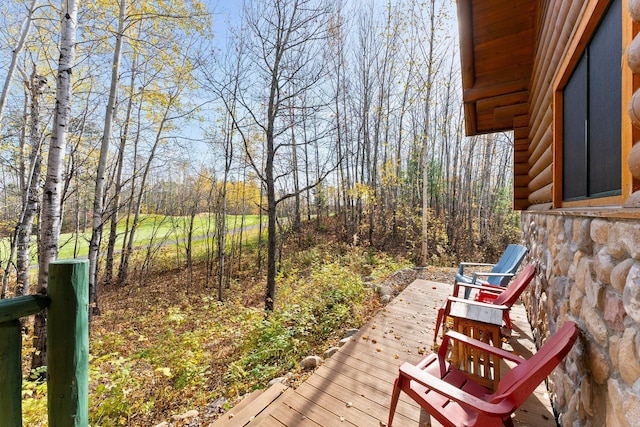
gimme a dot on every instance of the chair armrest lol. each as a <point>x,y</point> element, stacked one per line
<point>478,303</point>
<point>471,342</point>
<point>471,286</point>
<point>493,288</point>
<point>457,286</point>
<point>505,407</point>
<point>489,274</point>
<point>472,264</point>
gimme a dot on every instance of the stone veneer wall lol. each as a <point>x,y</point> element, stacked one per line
<point>589,272</point>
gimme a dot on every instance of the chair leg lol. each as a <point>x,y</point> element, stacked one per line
<point>439,321</point>
<point>467,292</point>
<point>507,320</point>
<point>394,399</point>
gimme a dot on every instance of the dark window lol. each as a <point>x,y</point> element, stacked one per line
<point>592,115</point>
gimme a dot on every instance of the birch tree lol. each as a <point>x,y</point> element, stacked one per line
<point>98,198</point>
<point>30,190</point>
<point>52,193</point>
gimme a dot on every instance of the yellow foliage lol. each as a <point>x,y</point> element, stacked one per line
<point>363,192</point>
<point>242,197</point>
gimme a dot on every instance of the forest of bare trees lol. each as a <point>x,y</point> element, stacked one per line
<point>329,111</point>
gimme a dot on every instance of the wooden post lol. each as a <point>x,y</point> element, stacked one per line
<point>68,343</point>
<point>10,374</point>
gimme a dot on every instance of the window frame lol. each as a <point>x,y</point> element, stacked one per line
<point>587,25</point>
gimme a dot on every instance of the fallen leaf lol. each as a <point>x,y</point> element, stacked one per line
<point>165,371</point>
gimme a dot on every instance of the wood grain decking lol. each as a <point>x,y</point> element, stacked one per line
<point>353,388</point>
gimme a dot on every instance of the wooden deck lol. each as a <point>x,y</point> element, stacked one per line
<point>353,388</point>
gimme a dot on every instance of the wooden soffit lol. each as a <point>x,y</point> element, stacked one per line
<point>497,49</point>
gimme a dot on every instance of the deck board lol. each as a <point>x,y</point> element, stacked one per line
<point>353,388</point>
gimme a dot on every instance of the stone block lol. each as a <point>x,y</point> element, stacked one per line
<point>615,245</point>
<point>586,399</point>
<point>594,291</point>
<point>572,409</point>
<point>583,271</point>
<point>631,293</point>
<point>581,235</point>
<point>598,364</point>
<point>595,325</point>
<point>311,362</point>
<point>350,332</point>
<point>575,300</point>
<point>600,231</point>
<point>558,380</point>
<point>553,244</point>
<point>614,311</point>
<point>542,237</point>
<point>619,274</point>
<point>385,290</point>
<point>623,406</point>
<point>628,357</point>
<point>273,381</point>
<point>567,227</point>
<point>563,309</point>
<point>563,262</point>
<point>604,264</point>
<point>630,237</point>
<point>561,286</point>
<point>575,364</point>
<point>330,352</point>
<point>614,350</point>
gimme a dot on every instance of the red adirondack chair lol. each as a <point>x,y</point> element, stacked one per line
<point>453,399</point>
<point>490,296</point>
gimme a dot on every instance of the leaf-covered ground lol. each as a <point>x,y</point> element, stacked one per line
<point>166,347</point>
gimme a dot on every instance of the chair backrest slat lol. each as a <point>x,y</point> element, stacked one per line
<point>513,291</point>
<point>508,263</point>
<point>522,380</point>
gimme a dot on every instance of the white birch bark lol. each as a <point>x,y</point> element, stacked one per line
<point>52,201</point>
<point>51,214</point>
<point>98,208</point>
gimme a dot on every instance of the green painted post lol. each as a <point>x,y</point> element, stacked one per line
<point>68,344</point>
<point>10,374</point>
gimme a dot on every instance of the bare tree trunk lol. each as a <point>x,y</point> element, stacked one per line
<point>272,112</point>
<point>424,255</point>
<point>23,236</point>
<point>51,216</point>
<point>296,182</point>
<point>115,203</point>
<point>124,266</point>
<point>131,206</point>
<point>29,185</point>
<point>221,223</point>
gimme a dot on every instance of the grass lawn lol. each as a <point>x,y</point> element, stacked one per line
<point>152,228</point>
